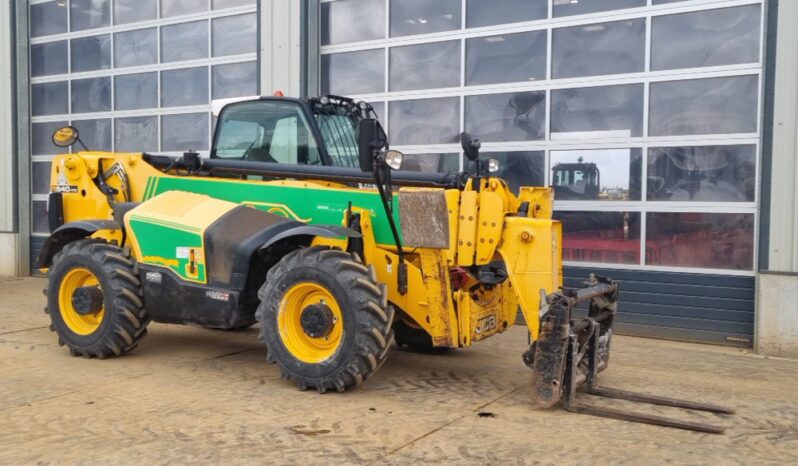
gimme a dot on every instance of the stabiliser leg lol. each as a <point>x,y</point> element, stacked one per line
<point>565,358</point>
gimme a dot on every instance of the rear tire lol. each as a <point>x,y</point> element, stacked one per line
<point>414,339</point>
<point>121,321</point>
<point>324,319</point>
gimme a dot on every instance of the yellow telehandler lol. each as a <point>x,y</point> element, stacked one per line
<point>301,219</point>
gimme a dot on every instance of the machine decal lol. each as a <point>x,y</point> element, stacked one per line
<point>278,209</point>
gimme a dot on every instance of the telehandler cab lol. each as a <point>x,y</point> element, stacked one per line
<point>294,222</point>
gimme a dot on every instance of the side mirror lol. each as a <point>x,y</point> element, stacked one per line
<point>370,138</point>
<point>470,146</point>
<point>65,136</point>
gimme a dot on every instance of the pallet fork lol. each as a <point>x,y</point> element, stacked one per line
<point>572,351</point>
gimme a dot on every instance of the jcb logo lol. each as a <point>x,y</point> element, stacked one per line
<point>485,324</point>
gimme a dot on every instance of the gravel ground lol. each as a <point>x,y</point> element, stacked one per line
<point>189,395</point>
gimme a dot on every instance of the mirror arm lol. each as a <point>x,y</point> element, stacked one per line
<point>382,177</point>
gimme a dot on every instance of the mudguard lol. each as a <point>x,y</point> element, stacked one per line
<point>68,233</point>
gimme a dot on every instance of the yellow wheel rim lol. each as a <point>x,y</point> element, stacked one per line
<point>297,342</point>
<point>80,324</point>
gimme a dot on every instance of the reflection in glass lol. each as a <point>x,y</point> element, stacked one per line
<point>717,241</point>
<point>91,53</point>
<point>706,38</point>
<point>518,116</point>
<point>352,73</point>
<point>422,16</point>
<point>425,66</point>
<point>134,91</point>
<point>89,14</point>
<point>136,48</point>
<point>96,134</point>
<point>233,35</point>
<point>506,58</point>
<point>40,177</point>
<point>704,106</point>
<point>596,175</point>
<point>188,86</point>
<point>91,95</point>
<point>608,237</point>
<point>580,7</point>
<point>182,7</point>
<point>136,134</point>
<point>702,174</point>
<point>184,132</point>
<point>424,121</point>
<point>518,169</point>
<point>49,58</point>
<point>186,41</point>
<point>42,138</point>
<point>490,12</point>
<point>338,18</point>
<point>133,11</point>
<point>430,163</point>
<point>597,112</point>
<point>598,49</point>
<point>48,18</point>
<point>235,80</point>
<point>49,98</point>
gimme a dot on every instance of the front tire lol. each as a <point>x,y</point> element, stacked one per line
<point>94,299</point>
<point>324,319</point>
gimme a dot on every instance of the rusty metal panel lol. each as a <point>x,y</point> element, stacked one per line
<point>424,218</point>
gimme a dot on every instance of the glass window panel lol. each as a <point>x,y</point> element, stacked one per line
<point>42,138</point>
<point>40,177</point>
<point>91,53</point>
<point>506,58</point>
<point>233,35</point>
<point>182,7</point>
<point>663,2</point>
<point>219,4</point>
<point>89,14</point>
<point>48,18</point>
<point>133,11</point>
<point>717,241</point>
<point>516,116</point>
<point>706,38</point>
<point>40,221</point>
<point>702,174</point>
<point>597,49</point>
<point>425,66</point>
<point>704,106</point>
<point>518,168</point>
<point>49,58</point>
<point>596,175</point>
<point>580,7</point>
<point>184,132</point>
<point>235,80</point>
<point>606,237</point>
<point>351,73</point>
<point>596,112</point>
<point>410,17</point>
<point>431,163</point>
<point>49,98</point>
<point>338,18</point>
<point>91,95</point>
<point>425,121</point>
<point>136,134</point>
<point>379,109</point>
<point>134,91</point>
<point>184,87</point>
<point>136,48</point>
<point>490,12</point>
<point>187,41</point>
<point>96,134</point>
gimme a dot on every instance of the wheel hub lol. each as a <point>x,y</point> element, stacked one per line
<point>317,320</point>
<point>87,300</point>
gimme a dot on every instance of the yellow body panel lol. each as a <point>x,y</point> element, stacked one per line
<point>467,230</point>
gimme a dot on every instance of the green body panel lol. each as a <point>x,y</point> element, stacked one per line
<point>159,241</point>
<point>310,205</point>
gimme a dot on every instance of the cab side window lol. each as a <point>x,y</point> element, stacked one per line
<point>265,131</point>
